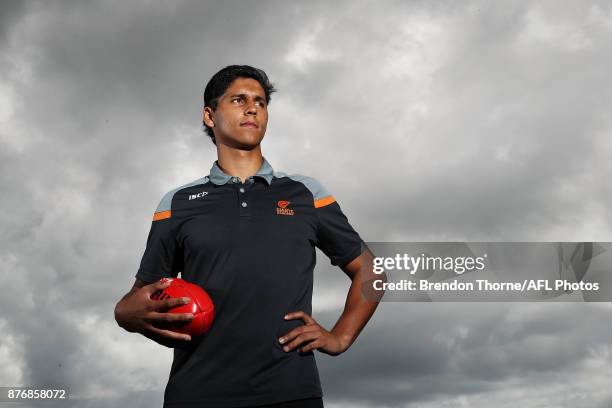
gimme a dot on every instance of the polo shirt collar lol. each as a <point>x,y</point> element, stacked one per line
<point>219,177</point>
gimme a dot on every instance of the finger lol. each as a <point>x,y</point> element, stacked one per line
<point>159,285</point>
<point>170,318</point>
<point>311,346</point>
<point>296,332</point>
<point>167,304</point>
<point>168,334</point>
<point>154,290</point>
<point>301,339</point>
<point>300,315</point>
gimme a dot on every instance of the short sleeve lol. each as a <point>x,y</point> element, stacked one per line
<point>162,257</point>
<point>335,236</point>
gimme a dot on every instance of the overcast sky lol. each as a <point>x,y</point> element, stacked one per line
<point>428,121</point>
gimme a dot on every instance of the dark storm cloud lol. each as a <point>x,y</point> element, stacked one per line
<point>436,121</point>
<point>450,350</point>
<point>493,146</point>
<point>10,12</point>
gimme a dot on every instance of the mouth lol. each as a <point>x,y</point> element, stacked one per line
<point>251,125</point>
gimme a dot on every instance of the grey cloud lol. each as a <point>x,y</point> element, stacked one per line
<point>10,11</point>
<point>448,350</point>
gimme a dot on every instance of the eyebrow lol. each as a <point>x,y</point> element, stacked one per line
<point>257,97</point>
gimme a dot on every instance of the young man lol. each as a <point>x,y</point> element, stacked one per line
<point>247,234</point>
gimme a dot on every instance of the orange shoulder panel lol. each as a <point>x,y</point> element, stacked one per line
<point>322,202</point>
<point>162,215</point>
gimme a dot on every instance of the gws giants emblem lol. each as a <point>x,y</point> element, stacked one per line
<point>282,208</point>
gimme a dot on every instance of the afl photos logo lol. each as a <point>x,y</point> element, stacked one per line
<point>282,208</point>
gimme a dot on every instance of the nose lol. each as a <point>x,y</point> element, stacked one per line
<point>251,108</point>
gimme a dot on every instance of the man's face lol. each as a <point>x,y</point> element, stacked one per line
<point>241,117</point>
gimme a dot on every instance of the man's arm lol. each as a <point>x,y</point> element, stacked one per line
<point>339,241</point>
<point>357,311</point>
<point>358,308</point>
<point>137,312</point>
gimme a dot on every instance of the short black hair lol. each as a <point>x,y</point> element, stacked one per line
<point>219,83</point>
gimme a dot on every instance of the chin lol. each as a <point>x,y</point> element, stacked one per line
<point>245,143</point>
<point>243,140</point>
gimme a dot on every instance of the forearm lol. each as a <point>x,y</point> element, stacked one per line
<point>119,315</point>
<point>358,308</point>
<point>356,314</point>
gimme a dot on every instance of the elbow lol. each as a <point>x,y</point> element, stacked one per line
<point>118,315</point>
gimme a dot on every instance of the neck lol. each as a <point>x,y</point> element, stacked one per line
<point>239,163</point>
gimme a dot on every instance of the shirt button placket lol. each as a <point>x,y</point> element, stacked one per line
<point>242,199</point>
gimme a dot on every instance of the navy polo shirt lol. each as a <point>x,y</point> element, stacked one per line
<point>251,246</point>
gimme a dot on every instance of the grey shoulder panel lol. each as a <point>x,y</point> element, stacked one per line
<point>166,202</point>
<point>316,188</point>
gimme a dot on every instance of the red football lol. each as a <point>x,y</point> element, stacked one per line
<point>201,306</point>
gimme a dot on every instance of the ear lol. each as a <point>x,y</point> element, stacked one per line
<point>207,116</point>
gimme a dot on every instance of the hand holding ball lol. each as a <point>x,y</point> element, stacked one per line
<point>201,305</point>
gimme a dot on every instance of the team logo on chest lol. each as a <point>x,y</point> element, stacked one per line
<point>283,209</point>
